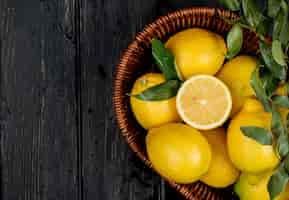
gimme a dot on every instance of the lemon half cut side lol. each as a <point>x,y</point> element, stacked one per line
<point>204,102</point>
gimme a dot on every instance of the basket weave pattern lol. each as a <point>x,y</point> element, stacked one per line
<point>137,60</point>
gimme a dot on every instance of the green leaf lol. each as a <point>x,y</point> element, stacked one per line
<point>284,37</point>
<point>160,92</point>
<point>278,182</point>
<point>231,4</point>
<point>277,52</point>
<point>283,145</point>
<point>252,13</point>
<point>281,24</point>
<point>268,81</point>
<point>284,6</point>
<point>260,92</point>
<point>277,70</point>
<point>260,135</point>
<point>281,101</point>
<point>287,49</point>
<point>273,7</point>
<point>264,27</point>
<point>234,41</point>
<point>277,127</point>
<point>164,59</point>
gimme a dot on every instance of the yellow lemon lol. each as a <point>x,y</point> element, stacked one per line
<point>178,152</point>
<point>152,113</point>
<point>282,90</point>
<point>252,186</point>
<point>236,74</point>
<point>204,102</point>
<point>246,153</point>
<point>222,172</point>
<point>197,51</point>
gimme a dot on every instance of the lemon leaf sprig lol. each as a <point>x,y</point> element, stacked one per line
<point>234,41</point>
<point>252,13</point>
<point>164,59</point>
<point>273,8</point>
<point>278,71</point>
<point>166,63</point>
<point>270,23</point>
<point>259,134</point>
<point>268,82</point>
<point>278,181</point>
<point>277,53</point>
<point>281,24</point>
<point>281,101</point>
<point>160,92</point>
<point>260,90</point>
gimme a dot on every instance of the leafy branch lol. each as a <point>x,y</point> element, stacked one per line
<point>270,24</point>
<point>166,63</point>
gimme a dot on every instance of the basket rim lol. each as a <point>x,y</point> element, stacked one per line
<point>128,52</point>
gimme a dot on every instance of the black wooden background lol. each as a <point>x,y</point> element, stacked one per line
<point>59,139</point>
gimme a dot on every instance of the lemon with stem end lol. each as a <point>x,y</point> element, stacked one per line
<point>151,114</point>
<point>197,51</point>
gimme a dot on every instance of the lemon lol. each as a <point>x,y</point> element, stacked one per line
<point>246,153</point>
<point>204,102</point>
<point>222,172</point>
<point>282,90</point>
<point>197,51</point>
<point>252,186</point>
<point>152,113</point>
<point>178,152</point>
<point>236,74</point>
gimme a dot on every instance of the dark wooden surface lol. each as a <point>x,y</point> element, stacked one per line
<point>59,139</point>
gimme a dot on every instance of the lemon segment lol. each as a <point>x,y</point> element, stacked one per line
<point>204,102</point>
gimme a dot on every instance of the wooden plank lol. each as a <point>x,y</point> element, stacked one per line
<point>178,4</point>
<point>110,170</point>
<point>38,107</point>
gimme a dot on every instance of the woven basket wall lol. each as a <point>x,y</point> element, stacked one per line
<point>137,60</point>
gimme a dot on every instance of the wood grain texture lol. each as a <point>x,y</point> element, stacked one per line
<point>38,123</point>
<point>59,139</point>
<point>107,27</point>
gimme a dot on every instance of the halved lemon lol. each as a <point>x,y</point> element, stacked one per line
<point>204,102</point>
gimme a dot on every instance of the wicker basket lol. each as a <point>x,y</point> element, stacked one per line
<point>137,60</point>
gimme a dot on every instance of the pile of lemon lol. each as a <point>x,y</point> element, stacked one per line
<point>196,136</point>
